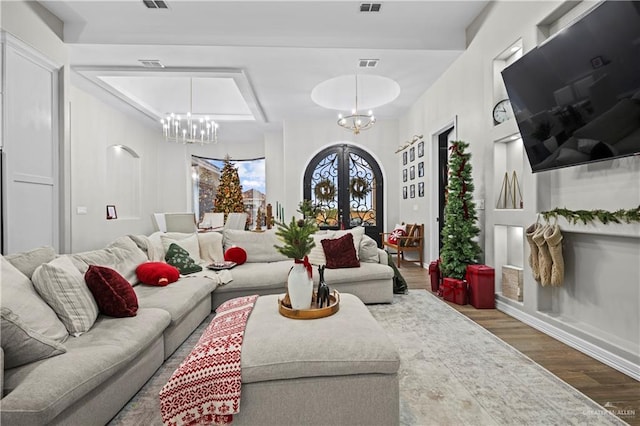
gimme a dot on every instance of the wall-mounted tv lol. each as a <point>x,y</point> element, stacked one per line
<point>576,97</point>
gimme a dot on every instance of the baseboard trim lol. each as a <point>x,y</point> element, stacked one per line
<point>606,357</point>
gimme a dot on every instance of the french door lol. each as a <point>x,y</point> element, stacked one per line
<point>345,183</point>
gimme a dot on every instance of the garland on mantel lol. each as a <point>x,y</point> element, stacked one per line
<point>604,216</point>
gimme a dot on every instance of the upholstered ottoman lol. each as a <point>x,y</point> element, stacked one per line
<point>338,370</point>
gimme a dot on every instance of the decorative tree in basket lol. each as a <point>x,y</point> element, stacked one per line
<point>229,196</point>
<point>459,248</point>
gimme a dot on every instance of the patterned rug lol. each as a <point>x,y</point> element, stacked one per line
<point>452,372</point>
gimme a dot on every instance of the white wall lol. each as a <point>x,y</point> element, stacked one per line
<point>598,307</point>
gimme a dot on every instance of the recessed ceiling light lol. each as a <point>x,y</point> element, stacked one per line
<point>370,7</point>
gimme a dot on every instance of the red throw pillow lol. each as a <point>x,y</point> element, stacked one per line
<point>340,252</point>
<point>114,295</point>
<point>235,254</point>
<point>157,273</point>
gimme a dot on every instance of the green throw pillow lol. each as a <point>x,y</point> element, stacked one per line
<point>179,257</point>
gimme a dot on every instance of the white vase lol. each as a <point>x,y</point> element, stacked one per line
<point>300,287</point>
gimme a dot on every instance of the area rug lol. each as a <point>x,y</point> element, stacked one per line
<point>452,372</point>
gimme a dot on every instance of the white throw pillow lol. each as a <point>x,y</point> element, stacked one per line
<point>18,294</point>
<point>211,247</point>
<point>62,286</point>
<point>189,243</point>
<point>368,250</point>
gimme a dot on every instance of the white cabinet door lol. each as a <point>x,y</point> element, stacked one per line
<point>30,148</point>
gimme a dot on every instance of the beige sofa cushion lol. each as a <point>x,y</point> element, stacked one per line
<point>123,255</point>
<point>258,245</point>
<point>27,262</point>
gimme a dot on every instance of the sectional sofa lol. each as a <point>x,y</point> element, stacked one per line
<point>86,379</point>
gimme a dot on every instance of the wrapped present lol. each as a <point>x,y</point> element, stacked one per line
<point>434,275</point>
<point>481,280</point>
<point>454,290</point>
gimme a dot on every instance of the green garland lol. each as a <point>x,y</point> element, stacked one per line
<point>604,216</point>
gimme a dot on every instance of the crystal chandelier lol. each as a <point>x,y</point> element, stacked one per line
<point>356,122</point>
<point>189,128</point>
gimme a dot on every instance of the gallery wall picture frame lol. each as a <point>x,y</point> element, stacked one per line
<point>412,172</point>
<point>421,169</point>
<point>404,158</point>
<point>412,191</point>
<point>412,153</point>
<point>421,189</point>
<point>111,212</point>
<point>421,149</point>
<point>404,175</point>
<point>404,192</point>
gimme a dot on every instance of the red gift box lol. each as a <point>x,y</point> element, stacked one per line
<point>434,275</point>
<point>454,290</point>
<point>481,280</point>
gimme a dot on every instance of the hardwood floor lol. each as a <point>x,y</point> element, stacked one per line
<point>610,388</point>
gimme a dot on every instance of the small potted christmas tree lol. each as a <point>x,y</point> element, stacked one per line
<point>459,247</point>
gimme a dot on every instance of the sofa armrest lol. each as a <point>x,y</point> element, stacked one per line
<point>383,257</point>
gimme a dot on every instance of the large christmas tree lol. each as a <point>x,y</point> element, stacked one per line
<point>229,195</point>
<point>459,248</point>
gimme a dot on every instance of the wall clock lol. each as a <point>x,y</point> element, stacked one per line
<point>502,111</point>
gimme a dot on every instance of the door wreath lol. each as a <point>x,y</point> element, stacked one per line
<point>325,190</point>
<point>359,187</point>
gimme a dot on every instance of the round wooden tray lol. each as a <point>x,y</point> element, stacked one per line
<point>314,312</point>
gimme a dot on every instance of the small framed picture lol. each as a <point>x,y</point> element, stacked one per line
<point>404,158</point>
<point>111,212</point>
<point>404,192</point>
<point>421,189</point>
<point>412,172</point>
<point>412,153</point>
<point>412,191</point>
<point>421,169</point>
<point>404,175</point>
<point>421,149</point>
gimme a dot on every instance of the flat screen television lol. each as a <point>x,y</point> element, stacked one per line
<point>576,97</point>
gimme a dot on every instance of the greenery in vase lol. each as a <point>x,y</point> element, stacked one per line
<point>296,236</point>
<point>459,248</point>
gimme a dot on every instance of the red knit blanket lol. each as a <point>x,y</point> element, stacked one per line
<point>205,389</point>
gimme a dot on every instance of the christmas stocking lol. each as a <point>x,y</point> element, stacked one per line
<point>544,257</point>
<point>553,237</point>
<point>533,256</point>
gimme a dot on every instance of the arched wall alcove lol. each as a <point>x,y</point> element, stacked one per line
<point>123,181</point>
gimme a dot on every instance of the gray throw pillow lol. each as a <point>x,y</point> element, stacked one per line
<point>21,344</point>
<point>18,294</point>
<point>27,261</point>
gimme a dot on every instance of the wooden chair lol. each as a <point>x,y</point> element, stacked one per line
<point>414,241</point>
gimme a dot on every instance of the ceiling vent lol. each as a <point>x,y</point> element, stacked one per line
<point>370,7</point>
<point>155,4</point>
<point>150,63</point>
<point>368,63</point>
